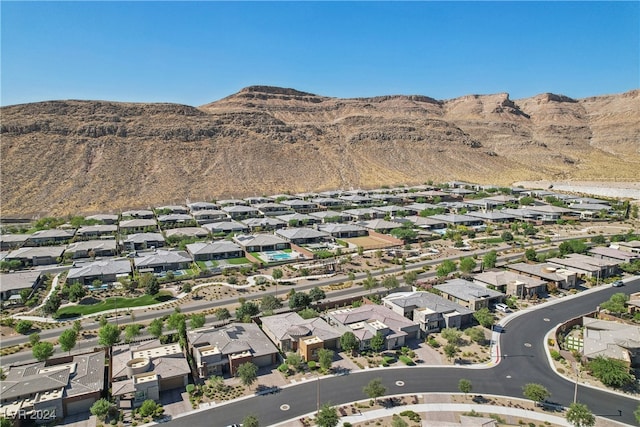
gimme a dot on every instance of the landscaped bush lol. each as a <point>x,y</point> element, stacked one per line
<point>411,415</point>
<point>406,360</point>
<point>555,355</point>
<point>190,388</point>
<point>388,359</point>
<point>433,343</point>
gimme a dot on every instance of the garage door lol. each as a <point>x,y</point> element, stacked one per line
<point>171,383</point>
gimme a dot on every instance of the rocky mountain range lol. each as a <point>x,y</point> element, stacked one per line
<point>63,157</point>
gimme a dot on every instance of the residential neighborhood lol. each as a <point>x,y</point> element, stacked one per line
<point>417,263</point>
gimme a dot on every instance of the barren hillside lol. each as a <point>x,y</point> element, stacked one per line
<point>61,157</point>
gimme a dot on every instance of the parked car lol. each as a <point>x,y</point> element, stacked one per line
<point>503,307</point>
<point>617,284</point>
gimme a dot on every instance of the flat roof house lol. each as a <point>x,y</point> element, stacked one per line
<point>222,249</point>
<point>368,320</point>
<point>219,351</point>
<point>468,294</point>
<point>303,236</point>
<point>90,232</point>
<point>92,248</point>
<point>42,255</point>
<point>50,237</point>
<point>143,371</point>
<point>431,311</point>
<point>512,283</point>
<point>62,387</point>
<point>141,241</point>
<point>12,284</point>
<point>106,271</point>
<point>560,277</point>
<point>262,242</point>
<point>290,332</point>
<point>162,260</point>
<point>12,241</point>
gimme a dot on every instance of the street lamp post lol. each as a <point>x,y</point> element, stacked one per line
<point>575,390</point>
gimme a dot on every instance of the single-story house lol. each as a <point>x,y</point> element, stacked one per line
<point>264,224</point>
<point>300,206</point>
<point>138,225</point>
<point>468,294</point>
<point>550,213</point>
<point>172,209</point>
<point>62,387</point>
<point>258,200</point>
<point>431,311</point>
<point>207,216</point>
<point>201,206</point>
<point>328,202</point>
<point>218,351</point>
<point>145,370</point>
<point>109,219</point>
<point>141,241</point>
<point>274,209</point>
<point>106,271</point>
<point>41,255</point>
<point>427,223</point>
<point>613,254</point>
<point>222,249</point>
<point>512,283</point>
<point>370,319</point>
<point>586,266</point>
<point>226,227</point>
<point>262,242</point>
<point>392,210</point>
<point>176,220</point>
<point>50,237</point>
<point>290,332</point>
<point>492,216</point>
<point>238,212</point>
<point>363,214</point>
<point>162,260</point>
<point>356,199</point>
<point>611,339</point>
<point>455,220</point>
<point>560,277</point>
<point>344,231</point>
<point>92,248</point>
<point>632,246</point>
<point>380,225</point>
<point>96,231</point>
<point>303,236</point>
<point>12,284</point>
<point>12,241</point>
<point>196,232</point>
<point>140,214</point>
<point>298,219</point>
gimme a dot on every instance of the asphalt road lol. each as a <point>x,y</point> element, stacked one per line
<point>520,364</point>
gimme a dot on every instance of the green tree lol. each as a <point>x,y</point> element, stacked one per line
<point>222,313</point>
<point>467,264</point>
<point>450,350</point>
<point>248,373</point>
<point>327,416</point>
<point>349,342</point>
<point>535,392</point>
<point>377,342</point>
<point>299,300</point>
<point>464,386</point>
<point>374,389</point>
<point>360,250</point>
<point>308,313</point>
<point>530,254</point>
<point>572,247</point>
<point>108,335</point>
<point>317,294</point>
<point>410,278</point>
<point>598,239</point>
<point>101,408</point>
<point>76,292</point>
<point>197,320</point>
<point>52,304</point>
<point>616,304</point>
<point>580,416</point>
<point>270,303</point>
<point>77,326</point>
<point>476,335</point>
<point>155,327</point>
<point>34,338</point>
<point>68,340</point>
<point>325,358</point>
<point>397,421</point>
<point>247,310</point>
<point>42,351</point>
<point>148,408</point>
<point>23,326</point>
<point>276,274</point>
<point>484,317</point>
<point>448,266</point>
<point>452,335</point>
<point>506,236</point>
<point>636,414</point>
<point>131,331</point>
<point>490,259</point>
<point>250,421</point>
<point>611,372</point>
<point>370,282</point>
<point>150,283</point>
<point>178,321</point>
<point>390,282</point>
<point>405,233</point>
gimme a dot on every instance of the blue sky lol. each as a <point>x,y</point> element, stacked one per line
<point>197,52</point>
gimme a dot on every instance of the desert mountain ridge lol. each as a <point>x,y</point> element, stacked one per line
<point>64,157</point>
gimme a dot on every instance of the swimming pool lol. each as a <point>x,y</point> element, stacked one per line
<point>280,256</point>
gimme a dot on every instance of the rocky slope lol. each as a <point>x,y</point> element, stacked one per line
<point>61,157</point>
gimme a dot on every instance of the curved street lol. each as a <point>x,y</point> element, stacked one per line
<point>523,360</point>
